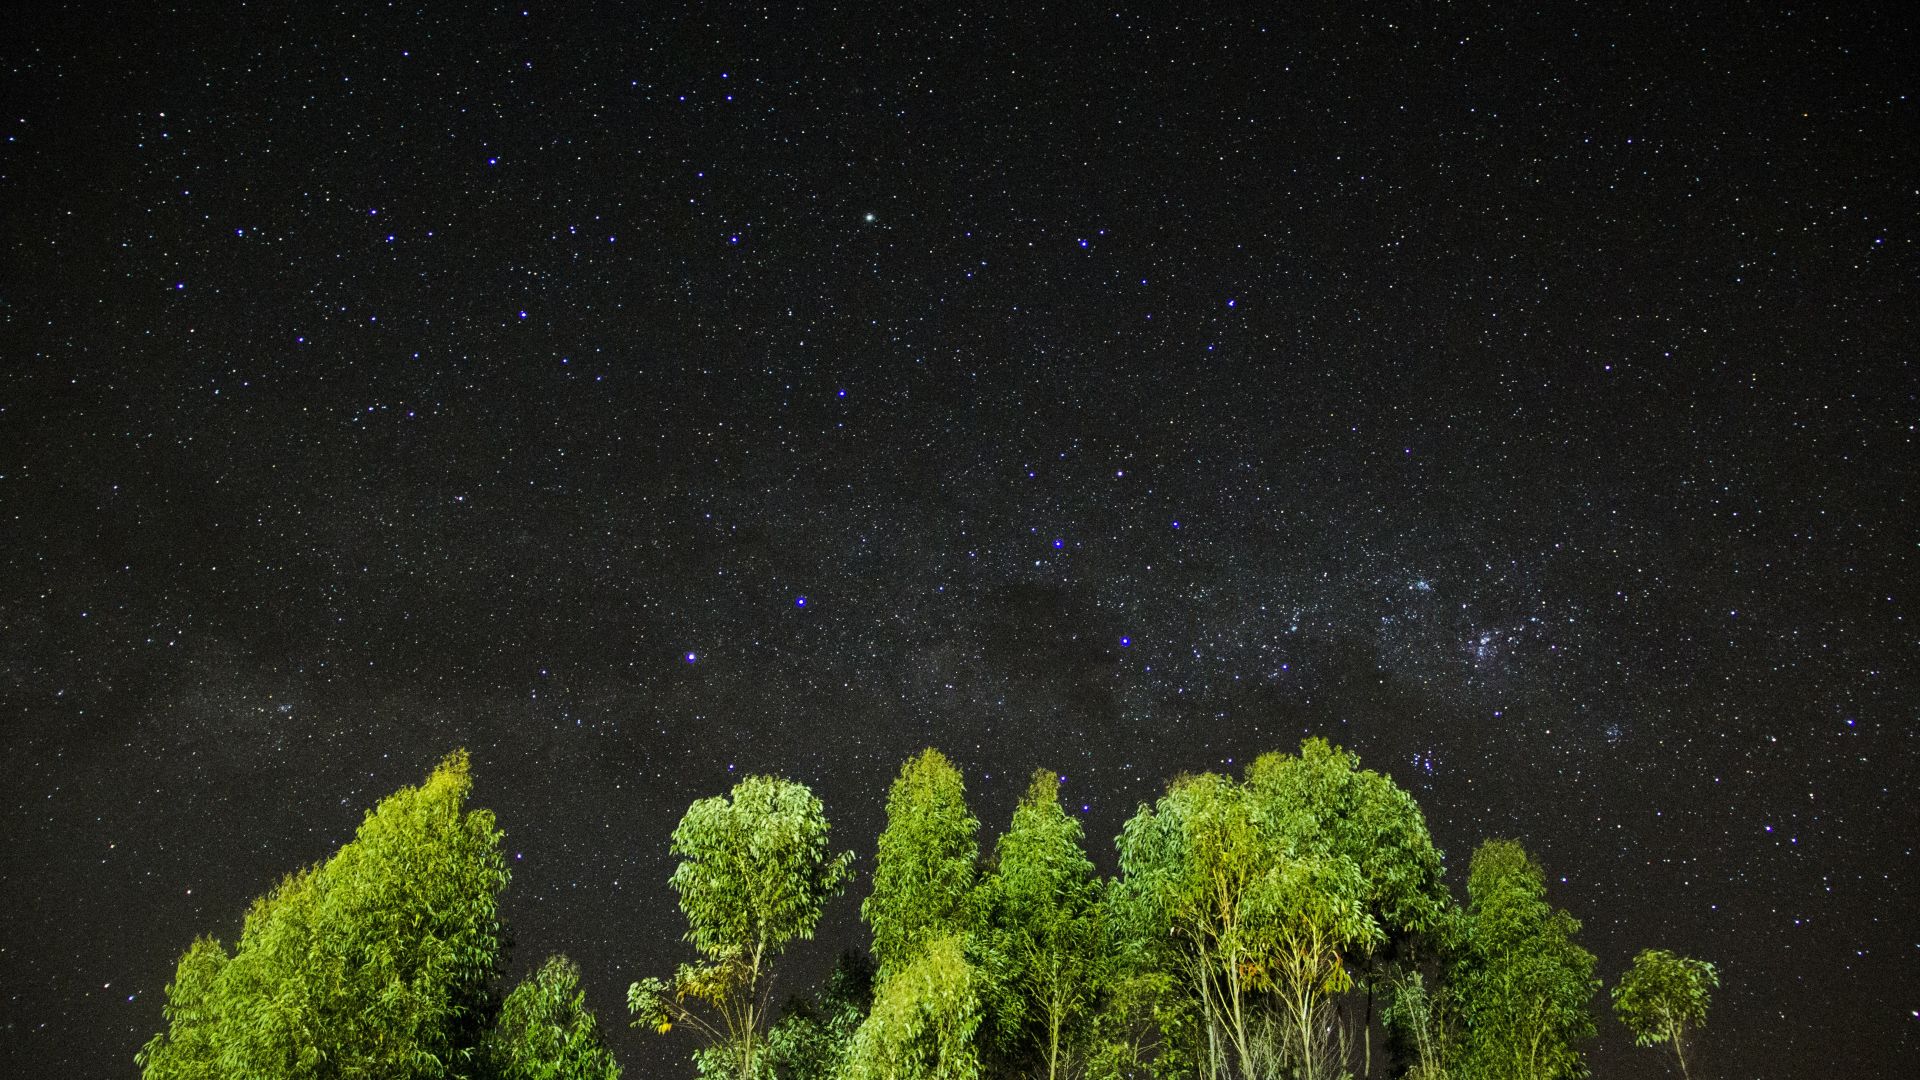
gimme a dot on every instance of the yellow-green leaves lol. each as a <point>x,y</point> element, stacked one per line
<point>1523,982</point>
<point>755,871</point>
<point>923,1021</point>
<point>1254,898</point>
<point>1049,948</point>
<point>1664,998</point>
<point>546,1032</point>
<point>374,963</point>
<point>925,873</point>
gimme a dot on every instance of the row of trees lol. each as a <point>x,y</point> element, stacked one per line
<point>1291,923</point>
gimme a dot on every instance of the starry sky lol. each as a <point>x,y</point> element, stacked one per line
<point>643,397</point>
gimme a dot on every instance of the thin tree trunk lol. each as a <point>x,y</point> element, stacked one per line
<point>1366,1035</point>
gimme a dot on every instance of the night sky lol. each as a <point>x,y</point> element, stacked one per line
<point>645,398</point>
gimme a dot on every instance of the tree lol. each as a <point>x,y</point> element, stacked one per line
<point>1188,866</point>
<point>1252,909</point>
<point>924,1019</point>
<point>1049,931</point>
<point>1524,984</point>
<point>1309,909</point>
<point>1321,804</point>
<point>377,962</point>
<point>546,1032</point>
<point>1663,998</point>
<point>754,874</point>
<point>925,873</point>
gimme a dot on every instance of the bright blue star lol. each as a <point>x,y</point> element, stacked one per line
<point>1125,641</point>
<point>691,657</point>
<point>1058,543</point>
<point>799,601</point>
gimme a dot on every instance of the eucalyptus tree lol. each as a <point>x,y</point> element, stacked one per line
<point>1218,889</point>
<point>1321,805</point>
<point>926,870</point>
<point>1524,984</point>
<point>755,871</point>
<point>1663,999</point>
<point>1048,930</point>
<point>377,962</point>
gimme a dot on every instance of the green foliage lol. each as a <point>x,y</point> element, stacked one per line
<point>1663,998</point>
<point>546,1032</point>
<point>1322,803</point>
<point>1048,935</point>
<point>755,872</point>
<point>925,872</point>
<point>375,963</point>
<point>1145,1026</point>
<point>924,1019</point>
<point>1252,896</point>
<point>814,1038</point>
<point>1524,984</point>
<point>1422,1020</point>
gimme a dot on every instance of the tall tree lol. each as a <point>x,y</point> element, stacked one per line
<point>1321,804</point>
<point>1524,984</point>
<point>1048,932</point>
<point>1252,924</point>
<point>755,872</point>
<point>1663,998</point>
<point>546,1032</point>
<point>926,871</point>
<point>377,962</point>
<point>1188,864</point>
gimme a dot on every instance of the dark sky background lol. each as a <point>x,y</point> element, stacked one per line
<point>1526,401</point>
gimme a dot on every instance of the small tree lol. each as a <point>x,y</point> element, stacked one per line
<point>1663,998</point>
<point>813,1038</point>
<point>754,874</point>
<point>546,1031</point>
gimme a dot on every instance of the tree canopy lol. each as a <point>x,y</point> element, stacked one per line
<point>1049,931</point>
<point>925,872</point>
<point>546,1032</point>
<point>1524,984</point>
<point>377,962</point>
<point>755,871</point>
<point>1663,999</point>
<point>1249,921</point>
